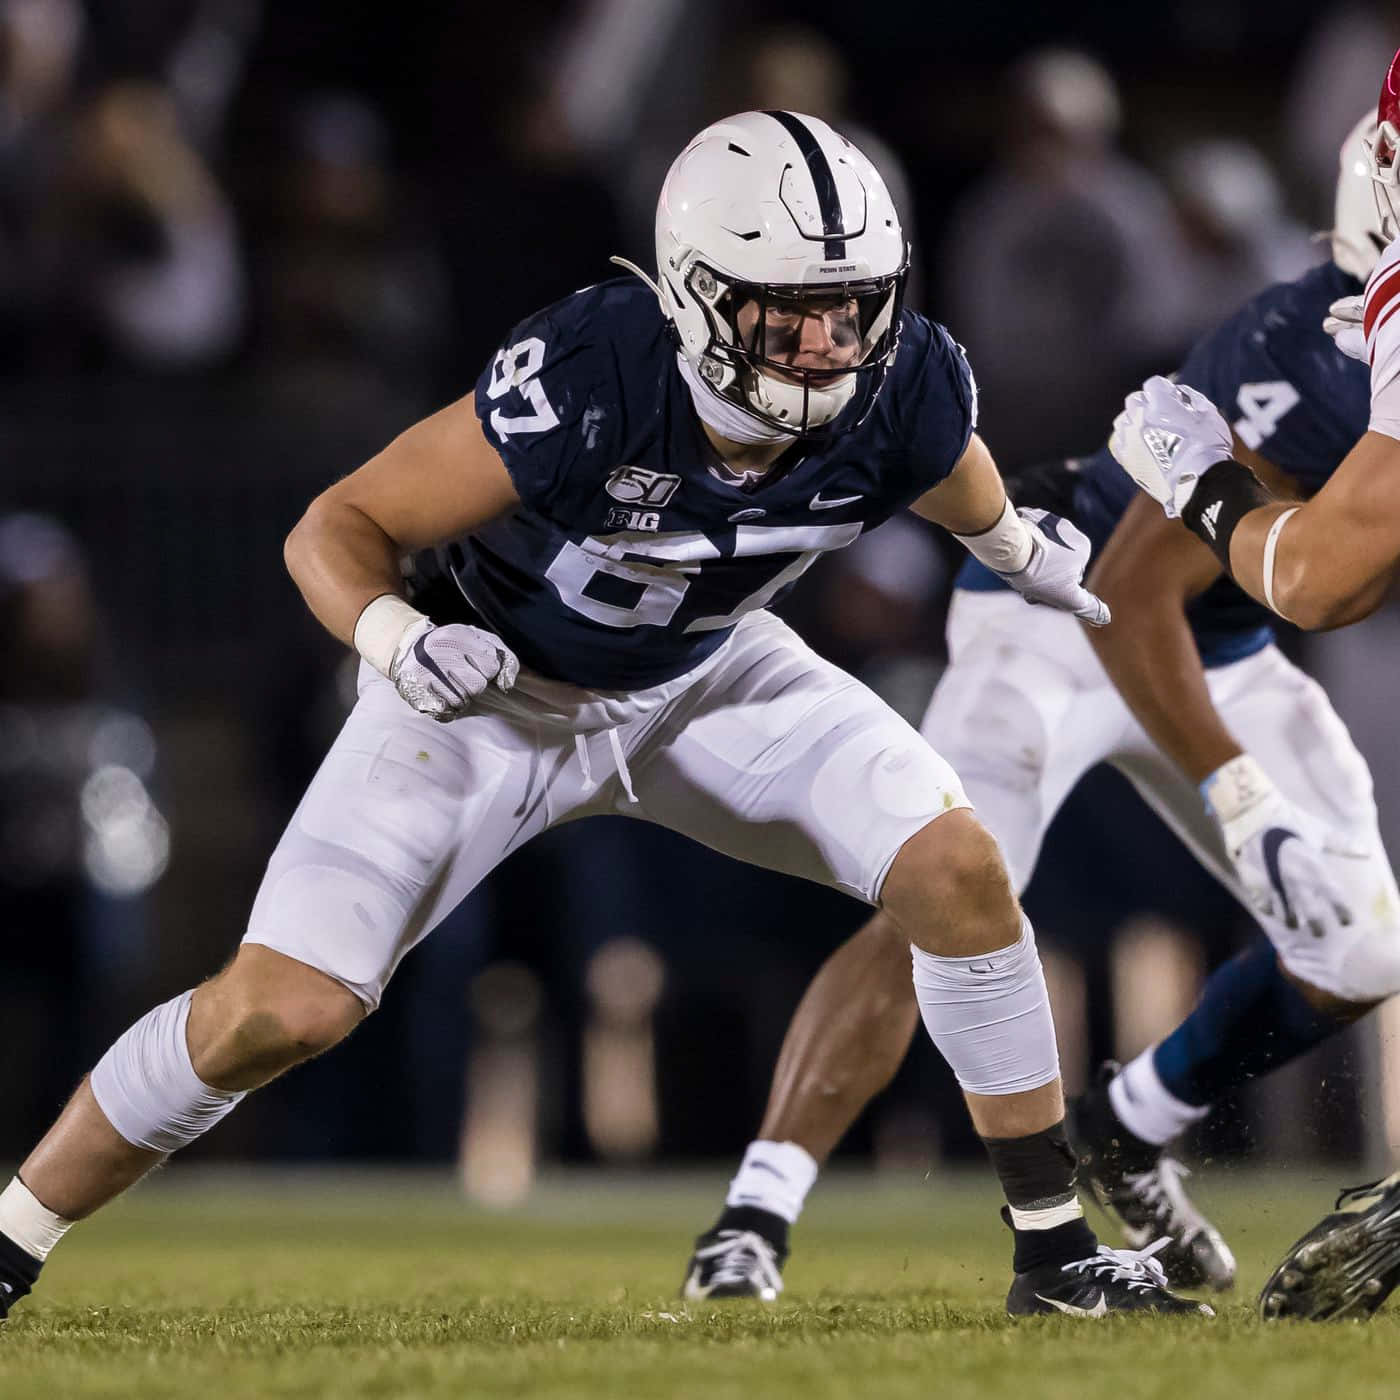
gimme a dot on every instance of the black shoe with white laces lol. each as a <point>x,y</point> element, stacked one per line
<point>741,1257</point>
<point>1139,1186</point>
<point>19,1271</point>
<point>1108,1281</point>
<point>1346,1265</point>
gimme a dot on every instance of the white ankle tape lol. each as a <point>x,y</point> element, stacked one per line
<point>1048,1218</point>
<point>990,1016</point>
<point>146,1086</point>
<point>774,1176</point>
<point>26,1220</point>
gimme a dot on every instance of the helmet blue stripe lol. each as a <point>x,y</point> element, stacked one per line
<point>828,201</point>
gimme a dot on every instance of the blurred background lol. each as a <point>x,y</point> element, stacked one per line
<point>242,244</point>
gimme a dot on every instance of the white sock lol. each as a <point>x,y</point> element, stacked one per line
<point>29,1223</point>
<point>774,1176</point>
<point>1145,1105</point>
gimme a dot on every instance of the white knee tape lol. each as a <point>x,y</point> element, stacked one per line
<point>990,1016</point>
<point>146,1086</point>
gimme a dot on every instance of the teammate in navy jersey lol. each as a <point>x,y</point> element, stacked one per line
<point>1237,750</point>
<point>641,471</point>
<point>1322,562</point>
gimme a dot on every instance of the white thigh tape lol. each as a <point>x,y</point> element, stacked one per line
<point>990,1016</point>
<point>146,1086</point>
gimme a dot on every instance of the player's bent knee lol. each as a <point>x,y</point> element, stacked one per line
<point>262,1015</point>
<point>949,892</point>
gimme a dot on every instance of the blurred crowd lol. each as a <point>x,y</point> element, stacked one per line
<point>241,244</point>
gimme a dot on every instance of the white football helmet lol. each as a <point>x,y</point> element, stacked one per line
<point>777,242</point>
<point>1358,225</point>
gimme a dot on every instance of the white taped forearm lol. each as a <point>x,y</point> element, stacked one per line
<point>381,627</point>
<point>1005,547</point>
<point>989,1016</point>
<point>147,1088</point>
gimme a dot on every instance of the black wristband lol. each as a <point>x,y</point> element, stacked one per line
<point>1225,494</point>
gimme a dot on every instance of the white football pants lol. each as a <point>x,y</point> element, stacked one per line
<point>1025,709</point>
<point>766,752</point>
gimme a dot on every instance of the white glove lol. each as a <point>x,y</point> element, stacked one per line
<point>1277,850</point>
<point>1055,573</point>
<point>441,670</point>
<point>1343,324</point>
<point>1166,438</point>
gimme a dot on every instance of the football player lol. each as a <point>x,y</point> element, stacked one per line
<point>642,469</point>
<point>1323,562</point>
<point>1230,743</point>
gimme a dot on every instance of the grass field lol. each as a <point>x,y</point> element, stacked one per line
<point>238,1286</point>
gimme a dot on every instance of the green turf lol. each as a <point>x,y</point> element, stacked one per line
<point>228,1287</point>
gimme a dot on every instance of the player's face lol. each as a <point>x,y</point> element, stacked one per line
<point>811,334</point>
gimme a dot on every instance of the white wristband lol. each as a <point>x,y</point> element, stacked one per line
<point>1270,550</point>
<point>1005,547</point>
<point>1236,786</point>
<point>380,628</point>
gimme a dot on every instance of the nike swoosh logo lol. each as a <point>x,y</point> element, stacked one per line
<point>6,1287</point>
<point>1273,841</point>
<point>1100,1309</point>
<point>819,504</point>
<point>1050,528</point>
<point>764,1166</point>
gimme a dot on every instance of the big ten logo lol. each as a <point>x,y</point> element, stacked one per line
<point>640,487</point>
<point>620,518</point>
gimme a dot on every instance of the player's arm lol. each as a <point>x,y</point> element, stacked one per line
<point>1148,572</point>
<point>1040,555</point>
<point>436,481</point>
<point>1332,561</point>
<point>1324,564</point>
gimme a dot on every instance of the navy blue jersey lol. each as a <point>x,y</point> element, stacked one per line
<point>633,554</point>
<point>1289,394</point>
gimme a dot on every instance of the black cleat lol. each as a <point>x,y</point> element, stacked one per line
<point>1346,1265</point>
<point>19,1272</point>
<point>1140,1187</point>
<point>734,1264</point>
<point>1108,1281</point>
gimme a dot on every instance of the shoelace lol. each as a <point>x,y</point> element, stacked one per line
<point>1137,1268</point>
<point>1355,1194</point>
<point>1161,1191</point>
<point>742,1255</point>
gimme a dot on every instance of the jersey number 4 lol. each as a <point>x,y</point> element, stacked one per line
<point>1262,406</point>
<point>516,368</point>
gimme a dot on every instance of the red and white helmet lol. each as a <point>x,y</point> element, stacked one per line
<point>1358,233</point>
<point>1379,149</point>
<point>764,219</point>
